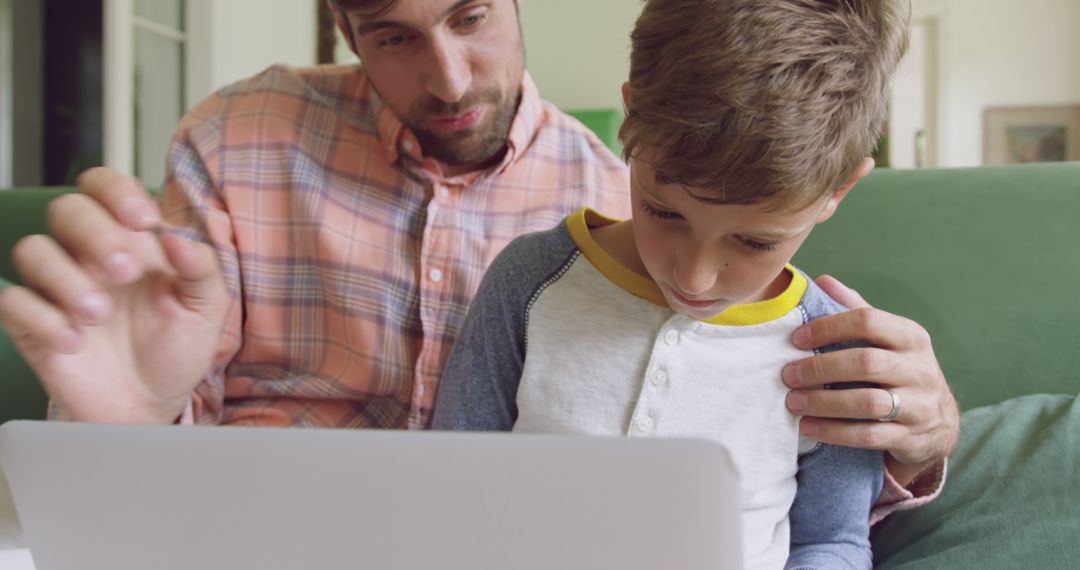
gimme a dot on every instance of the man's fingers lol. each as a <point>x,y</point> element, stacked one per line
<point>93,237</point>
<point>866,435</point>
<point>851,365</point>
<point>843,294</point>
<point>47,268</point>
<point>877,327</point>
<point>122,196</point>
<point>36,328</point>
<point>200,285</point>
<point>856,403</point>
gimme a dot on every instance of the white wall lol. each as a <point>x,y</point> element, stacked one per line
<point>1003,52</point>
<point>578,51</point>
<point>239,38</point>
<point>909,112</point>
<point>990,53</point>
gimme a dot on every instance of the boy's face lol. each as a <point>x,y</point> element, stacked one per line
<point>707,257</point>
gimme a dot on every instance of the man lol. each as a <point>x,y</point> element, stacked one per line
<point>326,229</point>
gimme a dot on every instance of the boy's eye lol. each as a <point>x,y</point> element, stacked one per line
<point>657,213</point>
<point>758,245</point>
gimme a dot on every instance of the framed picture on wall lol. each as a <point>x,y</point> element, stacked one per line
<point>1014,135</point>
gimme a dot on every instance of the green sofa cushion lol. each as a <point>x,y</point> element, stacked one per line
<point>604,122</point>
<point>22,212</point>
<point>1011,499</point>
<point>984,258</point>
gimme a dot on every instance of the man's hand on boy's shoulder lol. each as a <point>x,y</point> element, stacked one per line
<point>925,427</point>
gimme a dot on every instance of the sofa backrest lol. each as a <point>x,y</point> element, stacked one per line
<point>22,212</point>
<point>987,259</point>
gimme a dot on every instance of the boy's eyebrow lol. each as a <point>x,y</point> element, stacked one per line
<point>777,234</point>
<point>774,234</point>
<point>366,28</point>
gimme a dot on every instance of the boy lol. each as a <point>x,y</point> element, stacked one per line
<point>748,122</point>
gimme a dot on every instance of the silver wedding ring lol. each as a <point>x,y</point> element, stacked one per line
<point>895,407</point>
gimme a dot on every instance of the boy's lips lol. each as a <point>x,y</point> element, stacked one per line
<point>693,303</point>
<point>455,123</point>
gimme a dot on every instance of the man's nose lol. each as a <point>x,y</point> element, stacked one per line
<point>449,75</point>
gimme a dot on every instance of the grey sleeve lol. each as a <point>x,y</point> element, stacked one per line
<point>478,387</point>
<point>830,519</point>
<point>838,486</point>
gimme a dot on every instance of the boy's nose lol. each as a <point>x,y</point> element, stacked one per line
<point>694,275</point>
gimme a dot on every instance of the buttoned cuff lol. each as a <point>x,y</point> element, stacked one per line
<point>923,489</point>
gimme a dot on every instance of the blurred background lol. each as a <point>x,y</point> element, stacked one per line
<point>87,82</point>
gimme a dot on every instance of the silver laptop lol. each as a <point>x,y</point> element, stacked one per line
<point>163,497</point>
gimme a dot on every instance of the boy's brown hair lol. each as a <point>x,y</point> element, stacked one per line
<point>770,102</point>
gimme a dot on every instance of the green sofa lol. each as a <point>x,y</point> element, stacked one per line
<point>988,260</point>
<point>22,212</point>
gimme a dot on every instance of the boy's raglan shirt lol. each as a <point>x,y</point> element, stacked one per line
<point>561,338</point>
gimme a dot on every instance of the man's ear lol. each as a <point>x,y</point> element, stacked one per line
<point>833,202</point>
<point>626,95</point>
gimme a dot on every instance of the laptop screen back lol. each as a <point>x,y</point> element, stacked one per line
<point>164,497</point>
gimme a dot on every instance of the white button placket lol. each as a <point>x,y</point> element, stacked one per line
<point>656,386</point>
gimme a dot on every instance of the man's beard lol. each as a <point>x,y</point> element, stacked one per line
<point>478,144</point>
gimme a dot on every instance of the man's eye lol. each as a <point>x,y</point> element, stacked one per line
<point>658,214</point>
<point>473,20</point>
<point>393,42</point>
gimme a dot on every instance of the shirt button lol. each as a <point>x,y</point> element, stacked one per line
<point>444,191</point>
<point>659,378</point>
<point>671,338</point>
<point>435,275</point>
<point>645,424</point>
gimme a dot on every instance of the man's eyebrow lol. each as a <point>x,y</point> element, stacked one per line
<point>366,28</point>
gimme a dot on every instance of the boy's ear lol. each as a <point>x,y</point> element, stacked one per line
<point>626,95</point>
<point>864,168</point>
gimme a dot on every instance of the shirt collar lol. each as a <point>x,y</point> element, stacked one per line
<point>397,141</point>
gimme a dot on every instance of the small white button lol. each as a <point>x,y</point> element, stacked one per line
<point>444,191</point>
<point>645,424</point>
<point>435,275</point>
<point>671,338</point>
<point>659,378</point>
<point>407,145</point>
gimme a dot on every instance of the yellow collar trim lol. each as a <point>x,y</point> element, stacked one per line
<point>639,285</point>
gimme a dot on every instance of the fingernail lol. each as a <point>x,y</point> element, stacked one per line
<point>139,212</point>
<point>801,338</point>
<point>120,267</point>
<point>808,427</point>
<point>94,307</point>
<point>797,402</point>
<point>792,375</point>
